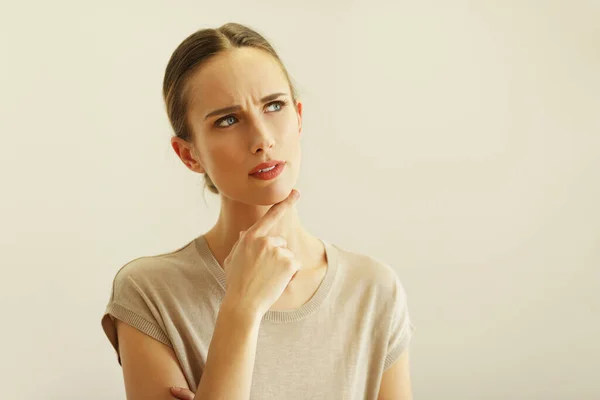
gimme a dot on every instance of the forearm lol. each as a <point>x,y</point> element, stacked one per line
<point>231,354</point>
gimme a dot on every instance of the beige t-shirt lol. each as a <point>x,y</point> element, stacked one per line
<point>335,346</point>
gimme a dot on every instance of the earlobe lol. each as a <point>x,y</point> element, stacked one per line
<point>198,168</point>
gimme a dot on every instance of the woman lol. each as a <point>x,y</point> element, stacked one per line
<point>257,307</point>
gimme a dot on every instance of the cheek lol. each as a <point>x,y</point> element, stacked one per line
<point>223,159</point>
<point>289,127</point>
<point>292,141</point>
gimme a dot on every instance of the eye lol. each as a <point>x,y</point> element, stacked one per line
<point>279,103</point>
<point>229,118</point>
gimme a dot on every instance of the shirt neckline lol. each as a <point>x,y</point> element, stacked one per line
<point>279,315</point>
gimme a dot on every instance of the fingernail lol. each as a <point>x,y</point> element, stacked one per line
<point>296,194</point>
<point>176,389</point>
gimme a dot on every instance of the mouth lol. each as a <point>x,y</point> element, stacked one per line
<point>268,171</point>
<point>265,166</point>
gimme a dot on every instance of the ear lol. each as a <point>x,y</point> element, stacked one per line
<point>187,154</point>
<point>299,115</point>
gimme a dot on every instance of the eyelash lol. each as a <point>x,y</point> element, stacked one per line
<point>282,104</point>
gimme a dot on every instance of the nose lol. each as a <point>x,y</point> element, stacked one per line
<point>262,138</point>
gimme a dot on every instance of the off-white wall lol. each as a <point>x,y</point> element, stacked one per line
<point>458,141</point>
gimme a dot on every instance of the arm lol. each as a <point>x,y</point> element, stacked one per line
<point>395,383</point>
<point>258,269</point>
<point>230,361</point>
<point>150,368</point>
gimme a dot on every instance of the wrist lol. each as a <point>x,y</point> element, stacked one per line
<point>239,312</point>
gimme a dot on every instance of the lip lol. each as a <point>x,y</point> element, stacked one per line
<point>264,165</point>
<point>273,173</point>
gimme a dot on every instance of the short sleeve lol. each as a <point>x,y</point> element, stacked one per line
<point>132,305</point>
<point>401,326</point>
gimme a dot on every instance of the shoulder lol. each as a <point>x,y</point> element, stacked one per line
<point>154,269</point>
<point>366,266</point>
<point>364,270</point>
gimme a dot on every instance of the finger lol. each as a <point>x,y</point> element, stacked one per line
<point>294,267</point>
<point>237,241</point>
<point>294,276</point>
<point>182,393</point>
<point>284,252</point>
<point>235,245</point>
<point>288,258</point>
<point>277,241</point>
<point>263,225</point>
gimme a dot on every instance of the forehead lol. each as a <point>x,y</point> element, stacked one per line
<point>235,76</point>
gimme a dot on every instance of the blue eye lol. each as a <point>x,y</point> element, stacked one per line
<point>279,103</point>
<point>226,118</point>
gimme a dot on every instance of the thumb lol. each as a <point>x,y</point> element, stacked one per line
<point>182,393</point>
<point>237,241</point>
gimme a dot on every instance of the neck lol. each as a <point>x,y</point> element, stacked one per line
<point>235,217</point>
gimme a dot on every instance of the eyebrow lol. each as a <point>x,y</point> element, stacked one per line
<point>230,109</point>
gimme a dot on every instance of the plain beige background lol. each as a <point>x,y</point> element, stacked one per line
<point>457,140</point>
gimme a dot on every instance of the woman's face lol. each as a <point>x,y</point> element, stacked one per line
<point>242,114</point>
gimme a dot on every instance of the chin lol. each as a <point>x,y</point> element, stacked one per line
<point>270,195</point>
<point>267,193</point>
<point>272,192</point>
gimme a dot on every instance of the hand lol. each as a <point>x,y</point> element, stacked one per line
<point>182,393</point>
<point>259,267</point>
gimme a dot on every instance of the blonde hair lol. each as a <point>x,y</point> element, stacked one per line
<point>188,58</point>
